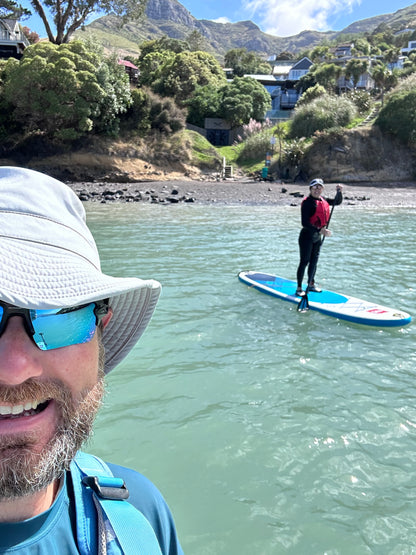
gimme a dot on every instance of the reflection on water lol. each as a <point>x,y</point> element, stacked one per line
<point>267,430</point>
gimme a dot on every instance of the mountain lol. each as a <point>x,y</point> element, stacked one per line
<point>170,18</point>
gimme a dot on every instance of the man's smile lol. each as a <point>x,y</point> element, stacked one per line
<point>29,408</point>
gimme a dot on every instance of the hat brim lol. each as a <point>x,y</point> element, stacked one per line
<point>35,275</point>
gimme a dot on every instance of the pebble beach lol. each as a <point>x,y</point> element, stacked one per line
<point>243,191</point>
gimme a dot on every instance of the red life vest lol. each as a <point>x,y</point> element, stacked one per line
<point>321,216</point>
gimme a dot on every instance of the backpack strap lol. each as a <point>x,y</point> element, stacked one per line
<point>106,522</point>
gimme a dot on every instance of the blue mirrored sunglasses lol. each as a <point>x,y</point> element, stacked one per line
<point>58,327</point>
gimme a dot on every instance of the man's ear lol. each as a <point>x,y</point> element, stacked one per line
<point>107,318</point>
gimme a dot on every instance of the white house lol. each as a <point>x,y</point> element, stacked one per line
<point>411,45</point>
<point>12,40</point>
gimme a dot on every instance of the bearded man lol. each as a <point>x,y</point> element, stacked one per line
<point>63,326</point>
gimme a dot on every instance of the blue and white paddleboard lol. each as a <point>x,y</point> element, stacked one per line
<point>327,302</point>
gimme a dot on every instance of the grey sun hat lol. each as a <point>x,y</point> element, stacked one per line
<point>49,259</point>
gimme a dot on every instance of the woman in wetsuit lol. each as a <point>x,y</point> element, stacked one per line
<point>315,217</point>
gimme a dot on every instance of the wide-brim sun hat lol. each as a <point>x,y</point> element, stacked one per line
<point>49,259</point>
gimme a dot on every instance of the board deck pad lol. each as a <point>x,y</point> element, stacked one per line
<point>328,302</point>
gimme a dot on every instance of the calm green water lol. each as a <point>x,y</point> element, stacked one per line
<point>268,431</point>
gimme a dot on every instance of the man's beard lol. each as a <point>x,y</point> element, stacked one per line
<point>24,471</point>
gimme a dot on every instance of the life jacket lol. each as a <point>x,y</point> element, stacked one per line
<point>106,523</point>
<point>321,216</point>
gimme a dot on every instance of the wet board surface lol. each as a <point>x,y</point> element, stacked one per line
<point>328,302</point>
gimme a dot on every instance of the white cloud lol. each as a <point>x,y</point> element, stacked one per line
<point>289,17</point>
<point>221,20</point>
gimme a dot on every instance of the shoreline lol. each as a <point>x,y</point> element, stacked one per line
<point>243,191</point>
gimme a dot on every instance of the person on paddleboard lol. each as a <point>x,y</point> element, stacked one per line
<point>315,217</point>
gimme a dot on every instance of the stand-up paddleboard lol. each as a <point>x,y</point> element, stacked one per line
<point>328,302</point>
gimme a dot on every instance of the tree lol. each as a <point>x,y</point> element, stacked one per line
<point>382,78</point>
<point>184,72</point>
<point>164,44</point>
<point>327,75</point>
<point>285,56</point>
<point>244,62</point>
<point>391,55</point>
<point>204,103</point>
<point>354,69</point>
<point>12,10</point>
<point>65,91</point>
<point>320,54</point>
<point>70,15</point>
<point>196,41</point>
<point>306,81</point>
<point>242,99</point>
<point>31,36</point>
<point>151,66</point>
<point>361,46</point>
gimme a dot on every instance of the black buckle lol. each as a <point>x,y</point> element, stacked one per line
<point>115,491</point>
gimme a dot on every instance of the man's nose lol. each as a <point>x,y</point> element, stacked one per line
<point>20,358</point>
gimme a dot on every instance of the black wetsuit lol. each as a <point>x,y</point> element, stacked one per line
<point>310,238</point>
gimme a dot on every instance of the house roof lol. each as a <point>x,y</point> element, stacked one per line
<point>10,24</point>
<point>261,77</point>
<point>304,63</point>
<point>14,31</point>
<point>282,69</point>
<point>127,64</point>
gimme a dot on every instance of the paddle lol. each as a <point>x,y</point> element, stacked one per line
<point>303,305</point>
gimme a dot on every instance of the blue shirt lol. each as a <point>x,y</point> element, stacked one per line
<point>54,531</point>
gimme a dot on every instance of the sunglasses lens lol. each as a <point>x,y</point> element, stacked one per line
<point>54,329</point>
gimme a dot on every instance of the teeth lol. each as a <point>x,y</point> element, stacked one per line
<point>6,410</point>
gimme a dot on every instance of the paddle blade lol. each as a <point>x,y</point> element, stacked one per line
<point>303,305</point>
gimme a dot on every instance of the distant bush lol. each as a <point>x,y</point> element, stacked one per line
<point>310,94</point>
<point>255,146</point>
<point>362,100</point>
<point>165,115</point>
<point>322,113</point>
<point>398,116</point>
<point>407,84</point>
<point>150,111</point>
<point>253,127</point>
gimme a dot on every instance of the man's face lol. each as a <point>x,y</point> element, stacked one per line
<point>48,401</point>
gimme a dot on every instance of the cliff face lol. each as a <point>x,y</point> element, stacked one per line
<point>360,155</point>
<point>169,10</point>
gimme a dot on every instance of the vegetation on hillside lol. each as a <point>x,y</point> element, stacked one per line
<point>64,94</point>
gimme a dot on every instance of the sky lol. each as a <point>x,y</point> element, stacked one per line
<point>281,18</point>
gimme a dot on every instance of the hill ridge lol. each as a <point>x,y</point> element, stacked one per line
<point>171,18</point>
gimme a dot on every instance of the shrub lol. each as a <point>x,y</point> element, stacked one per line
<point>398,116</point>
<point>253,127</point>
<point>362,100</point>
<point>310,94</point>
<point>322,113</point>
<point>151,111</point>
<point>255,147</point>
